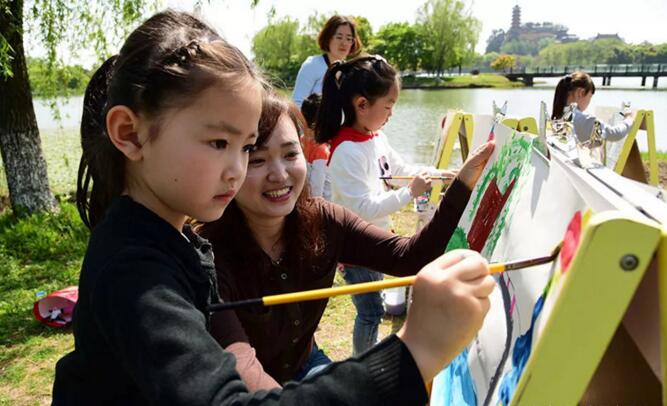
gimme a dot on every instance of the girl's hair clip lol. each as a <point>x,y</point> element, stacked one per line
<point>182,56</point>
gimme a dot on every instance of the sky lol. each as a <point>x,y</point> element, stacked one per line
<point>635,22</point>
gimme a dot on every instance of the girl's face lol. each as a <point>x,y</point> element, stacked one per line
<point>276,175</point>
<point>340,44</point>
<point>197,162</point>
<point>373,117</point>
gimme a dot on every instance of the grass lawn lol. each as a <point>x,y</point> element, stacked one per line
<point>44,253</point>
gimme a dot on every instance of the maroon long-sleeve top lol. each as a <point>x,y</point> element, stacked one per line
<point>272,343</point>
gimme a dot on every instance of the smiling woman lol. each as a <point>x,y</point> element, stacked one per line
<point>285,241</point>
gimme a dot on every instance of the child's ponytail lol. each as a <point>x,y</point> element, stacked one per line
<point>100,161</point>
<point>369,76</point>
<point>330,113</point>
<point>560,97</point>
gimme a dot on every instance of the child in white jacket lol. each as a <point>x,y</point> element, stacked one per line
<point>365,90</point>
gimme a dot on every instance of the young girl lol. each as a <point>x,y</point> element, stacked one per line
<point>317,155</point>
<point>578,87</point>
<point>365,91</point>
<point>166,131</point>
<point>285,241</point>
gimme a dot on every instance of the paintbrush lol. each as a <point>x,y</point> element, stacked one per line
<point>325,293</point>
<point>441,178</point>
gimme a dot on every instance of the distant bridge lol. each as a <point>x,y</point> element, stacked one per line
<point>606,72</point>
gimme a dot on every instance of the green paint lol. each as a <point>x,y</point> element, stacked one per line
<point>459,240</point>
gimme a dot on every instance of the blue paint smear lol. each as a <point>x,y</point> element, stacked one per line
<point>454,385</point>
<point>520,355</point>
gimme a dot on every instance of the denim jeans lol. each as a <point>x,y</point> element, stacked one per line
<point>317,361</point>
<point>369,309</point>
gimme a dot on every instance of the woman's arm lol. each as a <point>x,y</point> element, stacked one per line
<point>305,81</point>
<point>369,246</point>
<point>229,333</point>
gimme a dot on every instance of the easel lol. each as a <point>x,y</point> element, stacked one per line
<point>526,124</point>
<point>458,126</point>
<point>629,163</point>
<point>620,355</point>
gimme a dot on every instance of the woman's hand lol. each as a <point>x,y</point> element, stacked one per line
<point>473,166</point>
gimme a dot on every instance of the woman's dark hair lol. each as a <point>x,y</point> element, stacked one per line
<point>567,84</point>
<point>329,30</point>
<point>164,63</point>
<point>369,76</point>
<point>309,109</point>
<point>301,235</point>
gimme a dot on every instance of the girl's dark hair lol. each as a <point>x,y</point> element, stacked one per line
<point>567,84</point>
<point>302,235</point>
<point>164,63</point>
<point>369,76</point>
<point>329,30</point>
<point>309,109</point>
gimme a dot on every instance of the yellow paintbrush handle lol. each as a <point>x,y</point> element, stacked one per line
<point>496,268</point>
<point>341,290</point>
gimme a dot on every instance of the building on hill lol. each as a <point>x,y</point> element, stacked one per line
<point>529,32</point>
<point>615,37</point>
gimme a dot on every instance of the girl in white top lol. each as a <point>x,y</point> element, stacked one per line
<point>578,87</point>
<point>338,39</point>
<point>364,91</point>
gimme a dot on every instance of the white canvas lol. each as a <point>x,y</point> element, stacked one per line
<point>535,219</point>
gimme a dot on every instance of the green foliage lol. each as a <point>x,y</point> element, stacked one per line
<point>280,49</point>
<point>100,25</point>
<point>452,31</point>
<point>364,30</point>
<point>604,51</point>
<point>401,44</point>
<point>71,80</point>
<point>503,62</point>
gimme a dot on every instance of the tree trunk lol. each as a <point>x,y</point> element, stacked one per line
<point>20,144</point>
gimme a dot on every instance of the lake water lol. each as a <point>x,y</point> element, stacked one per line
<point>415,124</point>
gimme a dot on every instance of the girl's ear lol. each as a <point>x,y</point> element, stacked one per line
<point>123,130</point>
<point>361,104</point>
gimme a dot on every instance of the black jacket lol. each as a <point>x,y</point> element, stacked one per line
<point>140,331</point>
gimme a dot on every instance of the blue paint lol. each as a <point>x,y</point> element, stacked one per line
<point>454,385</point>
<point>520,355</point>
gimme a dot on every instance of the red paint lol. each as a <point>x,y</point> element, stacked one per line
<point>489,209</point>
<point>570,242</point>
<point>492,136</point>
